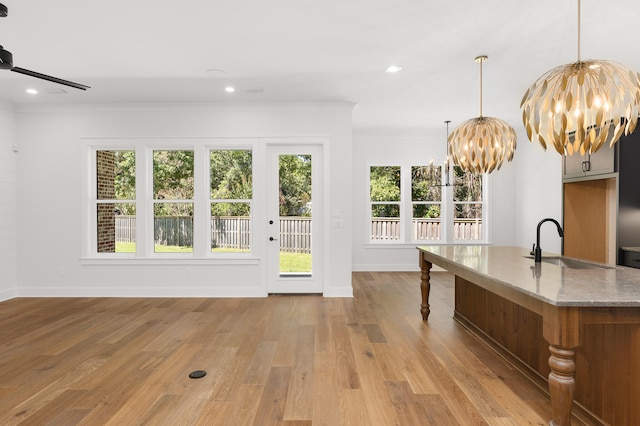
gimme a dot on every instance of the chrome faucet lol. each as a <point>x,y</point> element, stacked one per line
<point>537,251</point>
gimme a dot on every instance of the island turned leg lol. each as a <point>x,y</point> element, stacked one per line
<point>562,329</point>
<point>562,384</point>
<point>425,287</point>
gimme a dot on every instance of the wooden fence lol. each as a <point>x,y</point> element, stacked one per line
<point>385,228</point>
<point>233,232</point>
<point>295,234</point>
<point>173,231</point>
<point>229,232</point>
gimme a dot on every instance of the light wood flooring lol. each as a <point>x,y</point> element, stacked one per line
<point>281,360</point>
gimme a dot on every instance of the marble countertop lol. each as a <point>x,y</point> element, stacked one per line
<point>561,286</point>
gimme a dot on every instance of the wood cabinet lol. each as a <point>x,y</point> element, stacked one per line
<point>602,218</point>
<point>606,361</point>
<point>576,331</point>
<point>589,220</point>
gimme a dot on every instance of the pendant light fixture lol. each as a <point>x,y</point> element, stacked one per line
<point>481,144</point>
<point>434,170</point>
<point>578,107</point>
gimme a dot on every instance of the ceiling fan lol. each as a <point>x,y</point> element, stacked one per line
<point>6,63</point>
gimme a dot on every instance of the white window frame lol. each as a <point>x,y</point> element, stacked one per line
<point>406,209</point>
<point>144,200</point>
<point>402,209</point>
<point>440,203</point>
<point>235,147</point>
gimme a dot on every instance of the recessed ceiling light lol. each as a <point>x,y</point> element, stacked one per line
<point>32,91</point>
<point>229,89</point>
<point>393,69</point>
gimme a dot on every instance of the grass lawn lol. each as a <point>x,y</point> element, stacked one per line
<point>131,248</point>
<point>295,262</point>
<point>289,262</point>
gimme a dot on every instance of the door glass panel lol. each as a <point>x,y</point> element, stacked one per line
<point>295,213</point>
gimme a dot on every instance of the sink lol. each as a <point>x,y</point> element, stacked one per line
<point>566,262</point>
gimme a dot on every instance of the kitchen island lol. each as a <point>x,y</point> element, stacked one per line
<point>575,323</point>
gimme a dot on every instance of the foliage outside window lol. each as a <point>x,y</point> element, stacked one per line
<point>426,200</point>
<point>295,209</point>
<point>173,185</point>
<point>294,185</point>
<point>435,212</point>
<point>467,205</point>
<point>385,197</point>
<point>115,201</point>
<point>231,186</point>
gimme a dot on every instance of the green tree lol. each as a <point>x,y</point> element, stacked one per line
<point>426,186</point>
<point>125,175</point>
<point>468,188</point>
<point>231,179</point>
<point>384,186</point>
<point>173,180</point>
<point>124,181</point>
<point>295,185</point>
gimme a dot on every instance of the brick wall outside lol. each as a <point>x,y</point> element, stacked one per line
<point>106,170</point>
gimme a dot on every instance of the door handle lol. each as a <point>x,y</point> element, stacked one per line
<point>273,239</point>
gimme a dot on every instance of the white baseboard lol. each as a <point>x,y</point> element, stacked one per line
<point>177,292</point>
<point>338,292</point>
<point>378,267</point>
<point>385,267</point>
<point>8,294</point>
<point>220,292</point>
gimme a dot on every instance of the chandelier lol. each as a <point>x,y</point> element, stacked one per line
<point>481,144</point>
<point>578,107</point>
<point>435,170</point>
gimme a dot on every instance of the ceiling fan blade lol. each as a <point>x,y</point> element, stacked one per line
<point>49,78</point>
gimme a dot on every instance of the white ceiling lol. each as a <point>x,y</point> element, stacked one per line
<point>311,50</point>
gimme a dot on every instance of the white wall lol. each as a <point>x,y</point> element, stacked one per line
<point>538,194</point>
<point>8,175</point>
<point>50,202</point>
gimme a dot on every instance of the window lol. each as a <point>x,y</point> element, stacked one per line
<point>426,200</point>
<point>384,195</point>
<point>115,186</point>
<point>467,205</point>
<point>173,201</point>
<point>164,200</point>
<point>231,188</point>
<point>410,204</point>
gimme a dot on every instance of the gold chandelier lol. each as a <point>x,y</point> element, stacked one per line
<point>481,144</point>
<point>578,107</point>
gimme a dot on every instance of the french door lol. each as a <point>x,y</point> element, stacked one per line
<point>294,219</point>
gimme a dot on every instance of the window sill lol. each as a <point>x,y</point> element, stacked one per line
<point>424,243</point>
<point>131,261</point>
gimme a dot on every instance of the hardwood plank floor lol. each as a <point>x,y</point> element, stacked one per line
<point>282,360</point>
